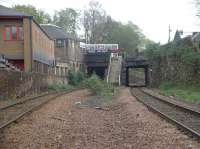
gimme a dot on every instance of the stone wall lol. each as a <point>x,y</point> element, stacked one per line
<point>173,70</point>
<point>18,84</point>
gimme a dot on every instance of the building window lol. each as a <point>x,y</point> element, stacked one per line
<point>7,33</point>
<point>13,33</point>
<point>59,43</point>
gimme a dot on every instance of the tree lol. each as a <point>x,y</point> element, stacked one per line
<point>128,36</point>
<point>101,28</point>
<point>145,43</point>
<point>197,5</point>
<point>93,22</point>
<point>40,16</point>
<point>67,19</point>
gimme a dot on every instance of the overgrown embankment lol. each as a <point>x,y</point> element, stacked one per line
<point>189,93</point>
<point>103,92</point>
<point>177,64</point>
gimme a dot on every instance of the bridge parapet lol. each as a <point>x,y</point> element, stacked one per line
<point>136,62</point>
<point>97,59</point>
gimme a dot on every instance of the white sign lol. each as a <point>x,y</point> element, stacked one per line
<point>101,48</point>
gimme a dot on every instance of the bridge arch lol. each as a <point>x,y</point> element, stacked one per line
<point>134,63</point>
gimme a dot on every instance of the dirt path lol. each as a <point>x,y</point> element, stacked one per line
<point>62,124</point>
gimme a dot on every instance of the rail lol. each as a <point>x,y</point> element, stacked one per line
<point>13,112</point>
<point>186,118</point>
<point>120,63</point>
<point>108,74</point>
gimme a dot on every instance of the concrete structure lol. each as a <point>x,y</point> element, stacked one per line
<point>97,57</point>
<point>114,70</point>
<point>24,43</point>
<point>132,63</point>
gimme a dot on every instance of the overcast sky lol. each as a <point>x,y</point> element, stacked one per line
<point>152,16</point>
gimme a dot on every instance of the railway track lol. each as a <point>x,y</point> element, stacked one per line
<point>15,111</point>
<point>186,118</point>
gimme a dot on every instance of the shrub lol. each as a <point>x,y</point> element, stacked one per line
<point>104,91</point>
<point>75,78</point>
<point>98,86</point>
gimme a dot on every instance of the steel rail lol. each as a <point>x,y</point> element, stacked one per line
<point>171,103</point>
<point>26,100</point>
<point>164,115</point>
<point>18,116</point>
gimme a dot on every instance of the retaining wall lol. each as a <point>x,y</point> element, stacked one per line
<point>18,84</point>
<point>171,69</point>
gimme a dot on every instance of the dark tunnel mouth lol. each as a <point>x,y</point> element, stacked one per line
<point>145,79</point>
<point>99,71</point>
<point>136,80</point>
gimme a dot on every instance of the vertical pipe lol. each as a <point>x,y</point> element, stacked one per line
<point>31,44</point>
<point>127,76</point>
<point>146,76</point>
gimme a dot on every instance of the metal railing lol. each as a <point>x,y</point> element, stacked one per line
<point>108,74</point>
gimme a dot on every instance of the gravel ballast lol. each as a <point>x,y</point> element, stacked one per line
<point>64,124</point>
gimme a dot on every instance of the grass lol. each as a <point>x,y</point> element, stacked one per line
<point>57,88</point>
<point>74,78</point>
<point>103,90</point>
<point>189,93</point>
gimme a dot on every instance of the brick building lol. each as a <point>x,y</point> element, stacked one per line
<point>24,43</point>
<point>67,48</point>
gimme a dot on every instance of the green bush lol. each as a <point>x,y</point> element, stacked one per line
<point>103,91</point>
<point>75,78</point>
<point>99,87</point>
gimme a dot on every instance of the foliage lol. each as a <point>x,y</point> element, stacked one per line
<point>103,92</point>
<point>39,15</point>
<point>153,52</point>
<point>145,43</point>
<point>185,54</point>
<point>98,26</point>
<point>67,19</point>
<point>128,36</point>
<point>189,92</point>
<point>56,87</point>
<point>101,28</point>
<point>175,61</point>
<point>75,78</point>
<point>166,85</point>
<point>99,87</point>
<point>94,19</point>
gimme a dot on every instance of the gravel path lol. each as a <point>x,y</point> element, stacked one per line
<point>63,124</point>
